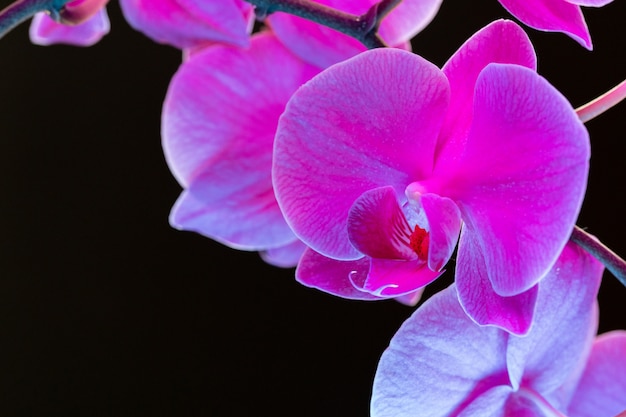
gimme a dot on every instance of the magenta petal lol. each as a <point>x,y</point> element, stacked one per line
<point>513,314</point>
<point>190,23</point>
<point>367,122</point>
<point>218,129</point>
<point>332,276</point>
<point>590,3</point>
<point>234,204</point>
<point>601,391</point>
<point>444,220</point>
<point>407,19</point>
<point>501,42</point>
<point>438,362</point>
<point>555,350</point>
<point>214,109</point>
<point>521,181</point>
<point>286,256</point>
<point>377,226</point>
<point>393,278</point>
<point>551,16</point>
<point>45,31</point>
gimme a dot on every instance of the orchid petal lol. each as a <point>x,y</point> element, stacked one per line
<point>331,276</point>
<point>393,278</point>
<point>190,23</point>
<point>364,123</point>
<point>234,204</point>
<point>513,314</point>
<point>521,182</point>
<point>551,16</point>
<point>557,346</point>
<point>377,226</point>
<point>213,106</point>
<point>407,19</point>
<point>601,391</point>
<point>286,256</point>
<point>45,31</point>
<point>323,46</point>
<point>499,42</point>
<point>444,220</point>
<point>438,362</point>
<point>590,3</point>
<point>218,130</point>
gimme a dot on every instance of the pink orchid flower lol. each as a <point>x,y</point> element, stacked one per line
<point>218,129</point>
<point>323,46</point>
<point>441,363</point>
<point>555,16</point>
<point>84,23</point>
<point>219,119</point>
<point>387,158</point>
<point>191,23</point>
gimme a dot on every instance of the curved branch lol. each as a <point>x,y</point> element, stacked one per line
<point>22,10</point>
<point>612,262</point>
<point>363,28</point>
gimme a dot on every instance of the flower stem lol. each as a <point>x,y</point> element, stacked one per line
<point>363,28</point>
<point>612,262</point>
<point>601,104</point>
<point>22,10</point>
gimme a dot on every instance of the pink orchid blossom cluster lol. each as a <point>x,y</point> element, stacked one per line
<point>373,171</point>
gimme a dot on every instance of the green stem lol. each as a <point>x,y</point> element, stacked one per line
<point>22,10</point>
<point>612,262</point>
<point>363,28</point>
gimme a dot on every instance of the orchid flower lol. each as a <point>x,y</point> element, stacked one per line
<point>555,16</point>
<point>218,130</point>
<point>323,46</point>
<point>386,158</point>
<point>441,363</point>
<point>191,23</point>
<point>83,23</point>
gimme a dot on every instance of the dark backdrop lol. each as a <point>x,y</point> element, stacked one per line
<point>107,311</point>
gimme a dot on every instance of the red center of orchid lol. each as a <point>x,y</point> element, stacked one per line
<point>419,242</point>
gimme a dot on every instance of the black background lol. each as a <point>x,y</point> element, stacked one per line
<point>107,311</point>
